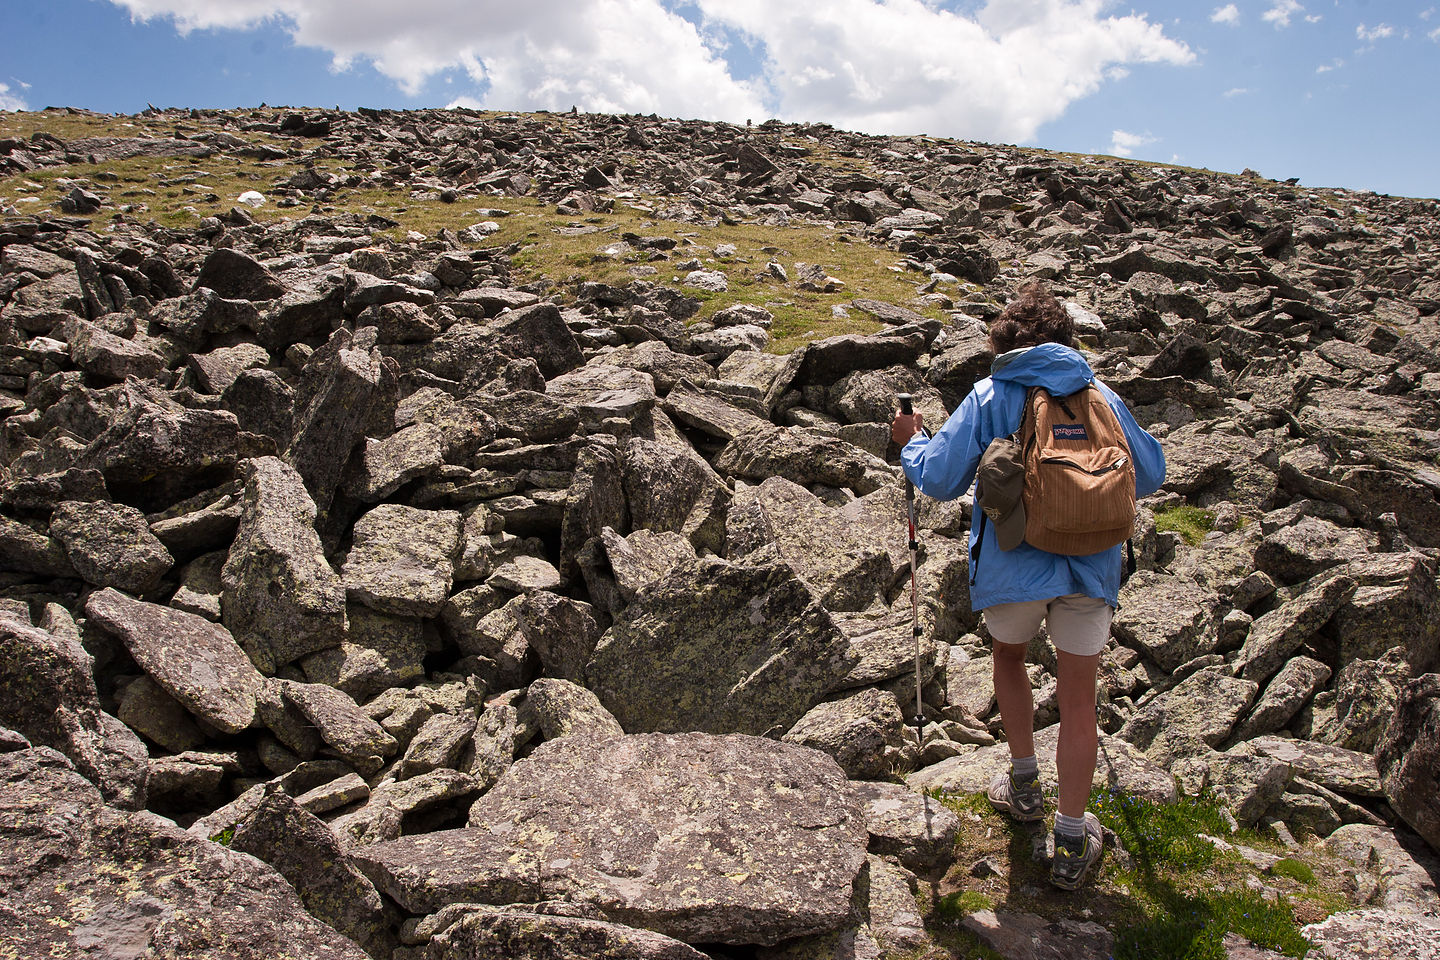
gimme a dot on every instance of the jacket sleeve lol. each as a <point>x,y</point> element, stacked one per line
<point>1149,456</point>
<point>943,466</point>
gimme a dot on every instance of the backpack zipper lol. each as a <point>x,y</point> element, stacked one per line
<point>1061,461</point>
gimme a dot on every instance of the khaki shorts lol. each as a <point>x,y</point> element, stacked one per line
<point>1079,625</point>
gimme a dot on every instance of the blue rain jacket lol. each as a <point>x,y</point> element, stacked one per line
<point>943,467</point>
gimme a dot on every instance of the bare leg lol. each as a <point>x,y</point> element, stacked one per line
<point>1012,693</point>
<point>1075,757</point>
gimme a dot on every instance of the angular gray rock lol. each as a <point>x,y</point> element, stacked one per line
<point>134,884</point>
<point>565,709</point>
<point>337,720</point>
<point>516,932</point>
<point>1344,771</point>
<point>1408,757</point>
<point>1299,680</point>
<point>110,545</point>
<point>1279,633</point>
<point>719,647</point>
<point>671,488</point>
<point>727,839</point>
<point>862,731</point>
<point>1373,933</point>
<point>1200,711</point>
<point>843,561</point>
<point>306,853</point>
<point>800,457</point>
<point>402,560</point>
<point>379,652</point>
<point>1118,765</point>
<point>1170,619</point>
<point>47,693</point>
<point>196,662</point>
<point>912,827</point>
<point>282,598</point>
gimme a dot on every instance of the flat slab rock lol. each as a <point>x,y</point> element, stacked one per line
<point>84,879</point>
<point>706,839</point>
<point>1364,934</point>
<point>1118,765</point>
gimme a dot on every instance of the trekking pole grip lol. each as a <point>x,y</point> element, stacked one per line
<point>905,405</point>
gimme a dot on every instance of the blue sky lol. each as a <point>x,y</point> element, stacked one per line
<point>1334,92</point>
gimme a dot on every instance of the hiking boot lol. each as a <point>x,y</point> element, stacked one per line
<point>1074,857</point>
<point>1023,800</point>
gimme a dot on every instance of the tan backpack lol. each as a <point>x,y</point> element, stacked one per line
<point>1079,475</point>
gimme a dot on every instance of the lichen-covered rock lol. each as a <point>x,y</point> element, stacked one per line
<point>913,827</point>
<point>339,391</point>
<point>1404,866</point>
<point>1279,633</point>
<point>402,560</point>
<point>1396,604</point>
<point>302,848</point>
<point>1172,620</point>
<point>728,839</point>
<point>1017,934</point>
<point>719,647</point>
<point>801,457</point>
<point>362,742</point>
<point>1299,680</point>
<point>108,357</point>
<point>1200,711</point>
<point>156,452</point>
<point>380,651</point>
<point>147,709</point>
<point>81,876</point>
<point>1119,765</point>
<point>862,731</point>
<point>848,567</point>
<point>515,932</point>
<point>566,709</point>
<point>1247,781</point>
<point>438,743</point>
<point>385,466</point>
<point>197,662</point>
<point>238,276</point>
<point>595,500</point>
<point>1308,547</point>
<point>1377,934</point>
<point>47,693</point>
<point>282,598</point>
<point>110,545</point>
<point>671,488</point>
<point>1366,695</point>
<point>1408,757</point>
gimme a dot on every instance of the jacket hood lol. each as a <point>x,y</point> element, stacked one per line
<point>1057,368</point>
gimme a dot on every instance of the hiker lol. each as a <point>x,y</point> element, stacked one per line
<point>1018,585</point>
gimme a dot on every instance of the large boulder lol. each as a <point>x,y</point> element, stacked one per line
<point>704,839</point>
<point>539,333</point>
<point>1200,711</point>
<point>1408,757</point>
<point>1170,619</point>
<point>84,878</point>
<point>801,457</point>
<point>282,598</point>
<point>846,563</point>
<point>671,489</point>
<point>196,662</point>
<point>553,931</point>
<point>721,648</point>
<point>47,693</point>
<point>110,545</point>
<point>155,452</point>
<point>862,731</point>
<point>402,561</point>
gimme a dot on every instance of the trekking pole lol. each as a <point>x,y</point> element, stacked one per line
<point>918,721</point>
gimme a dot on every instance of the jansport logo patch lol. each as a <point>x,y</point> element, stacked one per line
<point>1070,431</point>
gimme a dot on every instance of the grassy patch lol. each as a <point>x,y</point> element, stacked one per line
<point>1191,523</point>
<point>224,836</point>
<point>1297,870</point>
<point>959,904</point>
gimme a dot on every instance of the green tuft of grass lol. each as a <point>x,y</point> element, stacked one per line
<point>1167,833</point>
<point>1296,870</point>
<point>954,907</point>
<point>224,836</point>
<point>1194,928</point>
<point>1191,523</point>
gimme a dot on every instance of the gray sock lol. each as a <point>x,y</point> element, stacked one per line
<point>1072,828</point>
<point>1024,768</point>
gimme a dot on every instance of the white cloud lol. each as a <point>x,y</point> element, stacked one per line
<point>1281,13</point>
<point>11,101</point>
<point>999,72</point>
<point>1227,14</point>
<point>1371,34</point>
<point>1434,34</point>
<point>1427,14</point>
<point>1124,144</point>
<point>1236,91</point>
<point>1335,64</point>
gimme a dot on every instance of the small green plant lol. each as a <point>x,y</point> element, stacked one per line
<point>1294,869</point>
<point>224,836</point>
<point>954,907</point>
<point>1191,523</point>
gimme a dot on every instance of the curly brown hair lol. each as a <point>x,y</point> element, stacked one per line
<point>1033,318</point>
